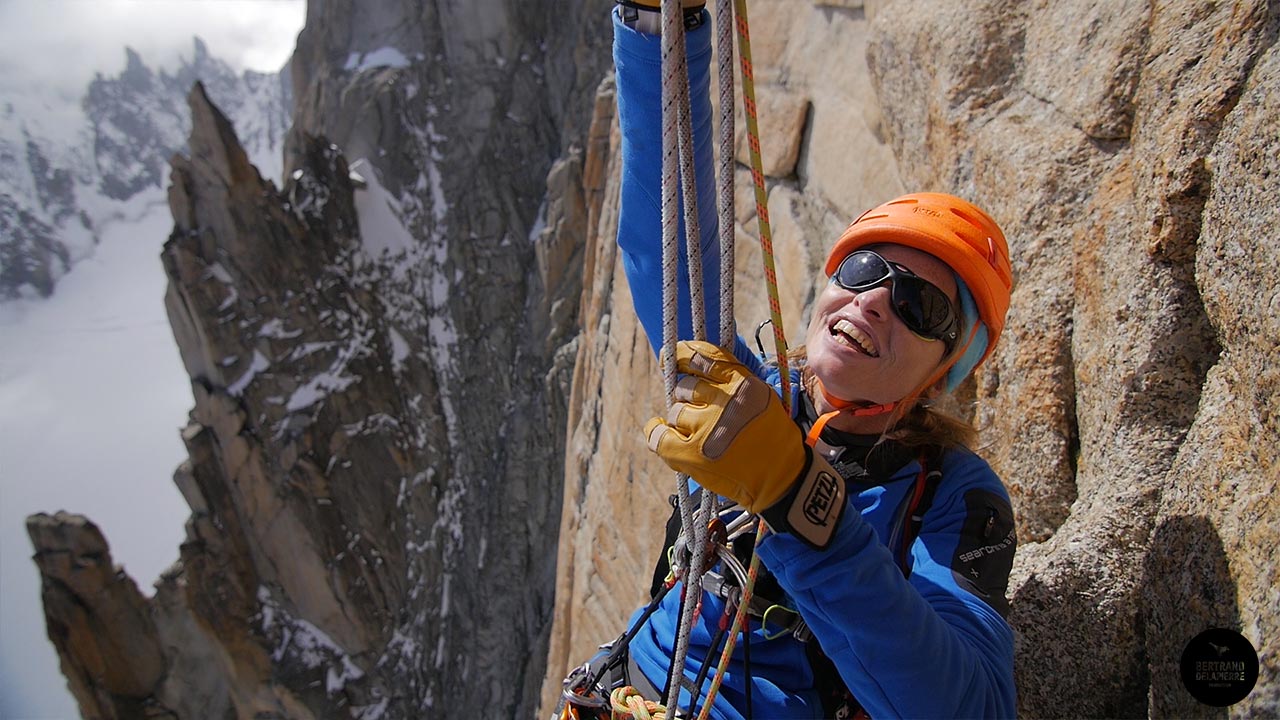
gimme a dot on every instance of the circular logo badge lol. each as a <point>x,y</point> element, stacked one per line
<point>1219,667</point>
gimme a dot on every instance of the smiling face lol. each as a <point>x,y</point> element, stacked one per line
<point>860,349</point>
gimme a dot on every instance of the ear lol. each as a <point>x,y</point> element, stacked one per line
<point>937,389</point>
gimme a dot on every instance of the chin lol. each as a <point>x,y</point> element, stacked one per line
<point>838,380</point>
<point>828,371</point>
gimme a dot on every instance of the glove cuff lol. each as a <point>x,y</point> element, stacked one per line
<point>812,509</point>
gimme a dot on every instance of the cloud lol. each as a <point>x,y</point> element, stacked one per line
<point>56,46</point>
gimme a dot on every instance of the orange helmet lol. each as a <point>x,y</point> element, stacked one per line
<point>959,234</point>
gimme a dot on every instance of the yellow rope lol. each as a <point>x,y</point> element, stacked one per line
<point>628,704</point>
<point>762,199</point>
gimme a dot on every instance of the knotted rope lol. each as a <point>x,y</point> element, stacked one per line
<point>626,703</point>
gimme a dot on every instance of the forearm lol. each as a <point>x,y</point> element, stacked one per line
<point>638,63</point>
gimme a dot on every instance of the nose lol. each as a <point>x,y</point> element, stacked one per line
<point>875,303</point>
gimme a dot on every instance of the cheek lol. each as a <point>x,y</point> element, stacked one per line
<point>928,356</point>
<point>823,307</point>
<point>816,326</point>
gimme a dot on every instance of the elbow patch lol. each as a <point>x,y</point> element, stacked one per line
<point>984,555</point>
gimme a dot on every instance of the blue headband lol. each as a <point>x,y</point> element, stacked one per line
<point>969,322</point>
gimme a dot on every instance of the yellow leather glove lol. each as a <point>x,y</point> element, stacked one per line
<point>729,431</point>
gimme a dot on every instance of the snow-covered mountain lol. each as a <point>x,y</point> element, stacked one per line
<point>66,170</point>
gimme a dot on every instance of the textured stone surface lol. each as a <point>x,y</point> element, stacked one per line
<point>1128,151</point>
<point>96,611</point>
<point>781,117</point>
<point>1111,362</point>
<point>613,497</point>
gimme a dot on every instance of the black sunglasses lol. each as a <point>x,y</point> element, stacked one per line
<point>922,306</point>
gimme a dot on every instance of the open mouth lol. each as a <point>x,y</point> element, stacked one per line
<point>846,333</point>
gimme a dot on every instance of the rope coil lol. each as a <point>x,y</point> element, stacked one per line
<point>628,704</point>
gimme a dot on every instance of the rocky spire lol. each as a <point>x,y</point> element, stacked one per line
<point>379,379</point>
<point>101,625</point>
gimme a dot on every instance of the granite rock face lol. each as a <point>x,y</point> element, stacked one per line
<point>97,609</point>
<point>1110,405</point>
<point>1127,149</point>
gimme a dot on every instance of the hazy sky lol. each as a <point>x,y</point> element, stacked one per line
<point>92,393</point>
<point>62,43</point>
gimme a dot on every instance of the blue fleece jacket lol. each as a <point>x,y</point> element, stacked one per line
<point>931,645</point>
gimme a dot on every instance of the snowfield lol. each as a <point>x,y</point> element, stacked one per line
<point>92,398</point>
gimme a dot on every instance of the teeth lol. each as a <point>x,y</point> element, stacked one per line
<point>845,333</point>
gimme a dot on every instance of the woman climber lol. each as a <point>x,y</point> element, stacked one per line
<point>891,541</point>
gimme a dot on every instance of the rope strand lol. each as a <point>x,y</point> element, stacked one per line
<point>677,134</point>
<point>725,209</point>
<point>780,341</point>
<point>677,167</point>
<point>762,199</point>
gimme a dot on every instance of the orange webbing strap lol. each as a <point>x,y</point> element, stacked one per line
<point>811,439</point>
<point>816,431</point>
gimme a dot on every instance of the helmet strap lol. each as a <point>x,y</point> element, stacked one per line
<point>842,407</point>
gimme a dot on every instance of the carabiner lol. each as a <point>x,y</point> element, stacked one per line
<point>764,359</point>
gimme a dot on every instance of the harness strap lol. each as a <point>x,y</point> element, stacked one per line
<point>927,482</point>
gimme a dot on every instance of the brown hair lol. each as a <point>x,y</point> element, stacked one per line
<point>915,422</point>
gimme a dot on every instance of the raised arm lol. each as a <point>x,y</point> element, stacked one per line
<point>638,62</point>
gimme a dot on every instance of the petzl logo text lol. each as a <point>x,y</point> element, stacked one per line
<point>820,501</point>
